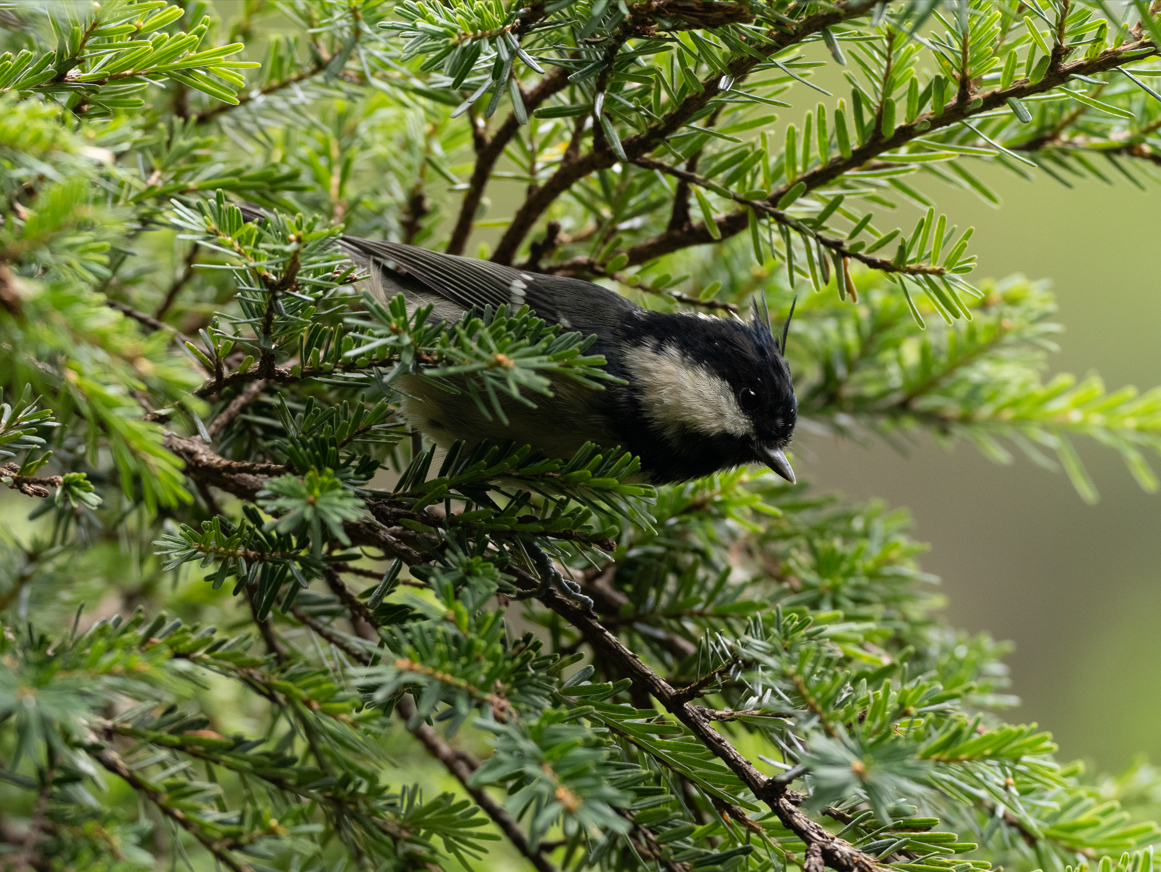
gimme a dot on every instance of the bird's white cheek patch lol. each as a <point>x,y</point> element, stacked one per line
<point>678,395</point>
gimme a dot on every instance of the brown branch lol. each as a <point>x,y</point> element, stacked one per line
<point>542,248</point>
<point>243,480</point>
<point>781,217</point>
<point>458,763</point>
<point>179,282</point>
<point>352,603</point>
<point>322,62</point>
<point>151,323</point>
<point>30,486</point>
<point>963,93</point>
<point>236,405</point>
<point>332,636</point>
<point>38,862</point>
<point>1059,50</point>
<point>734,714</point>
<point>283,374</point>
<point>679,218</point>
<point>221,850</point>
<point>266,628</point>
<point>348,805</point>
<point>692,691</point>
<point>413,214</point>
<point>834,851</point>
<point>462,766</point>
<point>488,151</point>
<point>735,222</point>
<point>1140,151</point>
<point>609,601</point>
<point>570,171</point>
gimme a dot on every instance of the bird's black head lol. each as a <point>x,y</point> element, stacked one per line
<point>708,393</point>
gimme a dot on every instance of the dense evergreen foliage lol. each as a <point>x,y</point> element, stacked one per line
<point>251,623</point>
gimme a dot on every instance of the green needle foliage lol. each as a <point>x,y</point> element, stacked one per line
<point>189,399</point>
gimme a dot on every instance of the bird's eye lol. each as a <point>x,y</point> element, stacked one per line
<point>748,399</point>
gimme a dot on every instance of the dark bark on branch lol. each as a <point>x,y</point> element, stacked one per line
<point>458,763</point>
<point>228,414</point>
<point>462,766</point>
<point>836,852</point>
<point>490,150</point>
<point>30,486</point>
<point>179,282</point>
<point>221,852</point>
<point>735,222</point>
<point>598,158</point>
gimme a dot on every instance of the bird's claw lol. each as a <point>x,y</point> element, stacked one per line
<point>551,579</point>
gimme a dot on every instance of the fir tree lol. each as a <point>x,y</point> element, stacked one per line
<point>240,601</point>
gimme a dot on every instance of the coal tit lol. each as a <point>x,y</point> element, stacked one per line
<point>702,394</point>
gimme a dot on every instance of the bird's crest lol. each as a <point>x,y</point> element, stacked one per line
<point>762,322</point>
<point>786,326</point>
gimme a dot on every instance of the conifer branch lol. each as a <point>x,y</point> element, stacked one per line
<point>490,149</point>
<point>638,145</point>
<point>221,849</point>
<point>735,222</point>
<point>834,851</point>
<point>462,766</point>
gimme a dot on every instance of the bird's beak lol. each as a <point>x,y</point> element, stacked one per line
<point>776,460</point>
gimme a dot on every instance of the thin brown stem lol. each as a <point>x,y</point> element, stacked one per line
<point>462,766</point>
<point>220,850</point>
<point>320,65</point>
<point>24,860</point>
<point>29,485</point>
<point>149,322</point>
<point>599,158</point>
<point>458,763</point>
<point>235,407</point>
<point>736,221</point>
<point>489,150</point>
<point>179,281</point>
<point>836,852</point>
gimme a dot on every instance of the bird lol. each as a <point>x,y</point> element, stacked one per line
<point>700,393</point>
<point>697,393</point>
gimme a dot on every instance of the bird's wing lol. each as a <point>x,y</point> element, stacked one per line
<point>474,284</point>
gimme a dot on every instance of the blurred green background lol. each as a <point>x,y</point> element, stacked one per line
<point>1076,587</point>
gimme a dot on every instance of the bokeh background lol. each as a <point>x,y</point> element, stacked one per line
<point>1077,588</point>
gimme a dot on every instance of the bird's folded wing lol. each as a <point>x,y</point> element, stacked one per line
<point>474,284</point>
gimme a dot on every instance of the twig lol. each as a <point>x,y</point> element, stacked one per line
<point>570,171</point>
<point>781,217</point>
<point>24,860</point>
<point>243,480</point>
<point>413,214</point>
<point>321,64</point>
<point>236,405</point>
<point>836,852</point>
<point>609,601</point>
<point>462,766</point>
<point>221,851</point>
<point>148,321</point>
<point>735,222</point>
<point>273,643</point>
<point>179,282</point>
<point>30,486</point>
<point>458,763</point>
<point>332,636</point>
<point>693,691</point>
<point>490,150</point>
